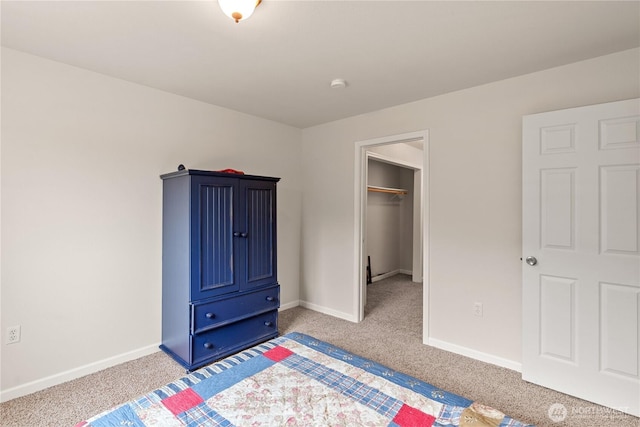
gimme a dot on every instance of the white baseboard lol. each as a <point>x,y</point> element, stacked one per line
<point>390,274</point>
<point>329,311</point>
<point>289,305</point>
<point>72,374</point>
<point>475,354</point>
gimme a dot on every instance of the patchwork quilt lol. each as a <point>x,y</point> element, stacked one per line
<point>297,380</point>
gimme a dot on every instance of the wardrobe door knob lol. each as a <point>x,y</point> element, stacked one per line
<point>208,345</point>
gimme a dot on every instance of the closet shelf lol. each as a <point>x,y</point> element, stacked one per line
<point>396,191</point>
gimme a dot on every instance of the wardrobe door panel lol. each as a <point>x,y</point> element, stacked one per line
<point>213,271</point>
<point>259,266</point>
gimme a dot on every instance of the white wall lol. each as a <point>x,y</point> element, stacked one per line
<point>81,204</point>
<point>81,210</point>
<point>475,196</point>
<point>400,152</point>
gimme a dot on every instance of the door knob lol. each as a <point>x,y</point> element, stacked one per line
<point>531,260</point>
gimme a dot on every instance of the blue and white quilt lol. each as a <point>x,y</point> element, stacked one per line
<point>297,380</point>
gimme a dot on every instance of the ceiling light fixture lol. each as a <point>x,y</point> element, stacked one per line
<point>238,10</point>
<point>338,83</point>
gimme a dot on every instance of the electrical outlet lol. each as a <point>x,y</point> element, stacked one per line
<point>13,334</point>
<point>477,309</point>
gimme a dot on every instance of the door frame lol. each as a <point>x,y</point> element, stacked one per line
<point>360,193</point>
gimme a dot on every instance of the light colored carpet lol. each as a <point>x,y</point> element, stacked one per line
<point>391,334</point>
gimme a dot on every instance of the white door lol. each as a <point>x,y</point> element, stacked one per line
<point>581,223</point>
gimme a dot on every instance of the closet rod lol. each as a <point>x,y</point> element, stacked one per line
<point>387,190</point>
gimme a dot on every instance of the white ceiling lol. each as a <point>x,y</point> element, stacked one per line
<point>279,63</point>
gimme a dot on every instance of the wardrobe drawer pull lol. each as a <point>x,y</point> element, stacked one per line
<point>208,345</point>
<point>210,316</point>
<point>268,323</point>
<point>270,298</point>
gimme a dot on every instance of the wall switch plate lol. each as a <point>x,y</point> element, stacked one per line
<point>13,334</point>
<point>477,309</point>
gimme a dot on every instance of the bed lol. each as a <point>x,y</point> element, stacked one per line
<point>298,380</point>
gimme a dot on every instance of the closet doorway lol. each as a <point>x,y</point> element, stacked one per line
<point>408,153</point>
<point>390,217</point>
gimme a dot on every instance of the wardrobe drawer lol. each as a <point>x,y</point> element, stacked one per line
<point>217,313</point>
<point>228,339</point>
